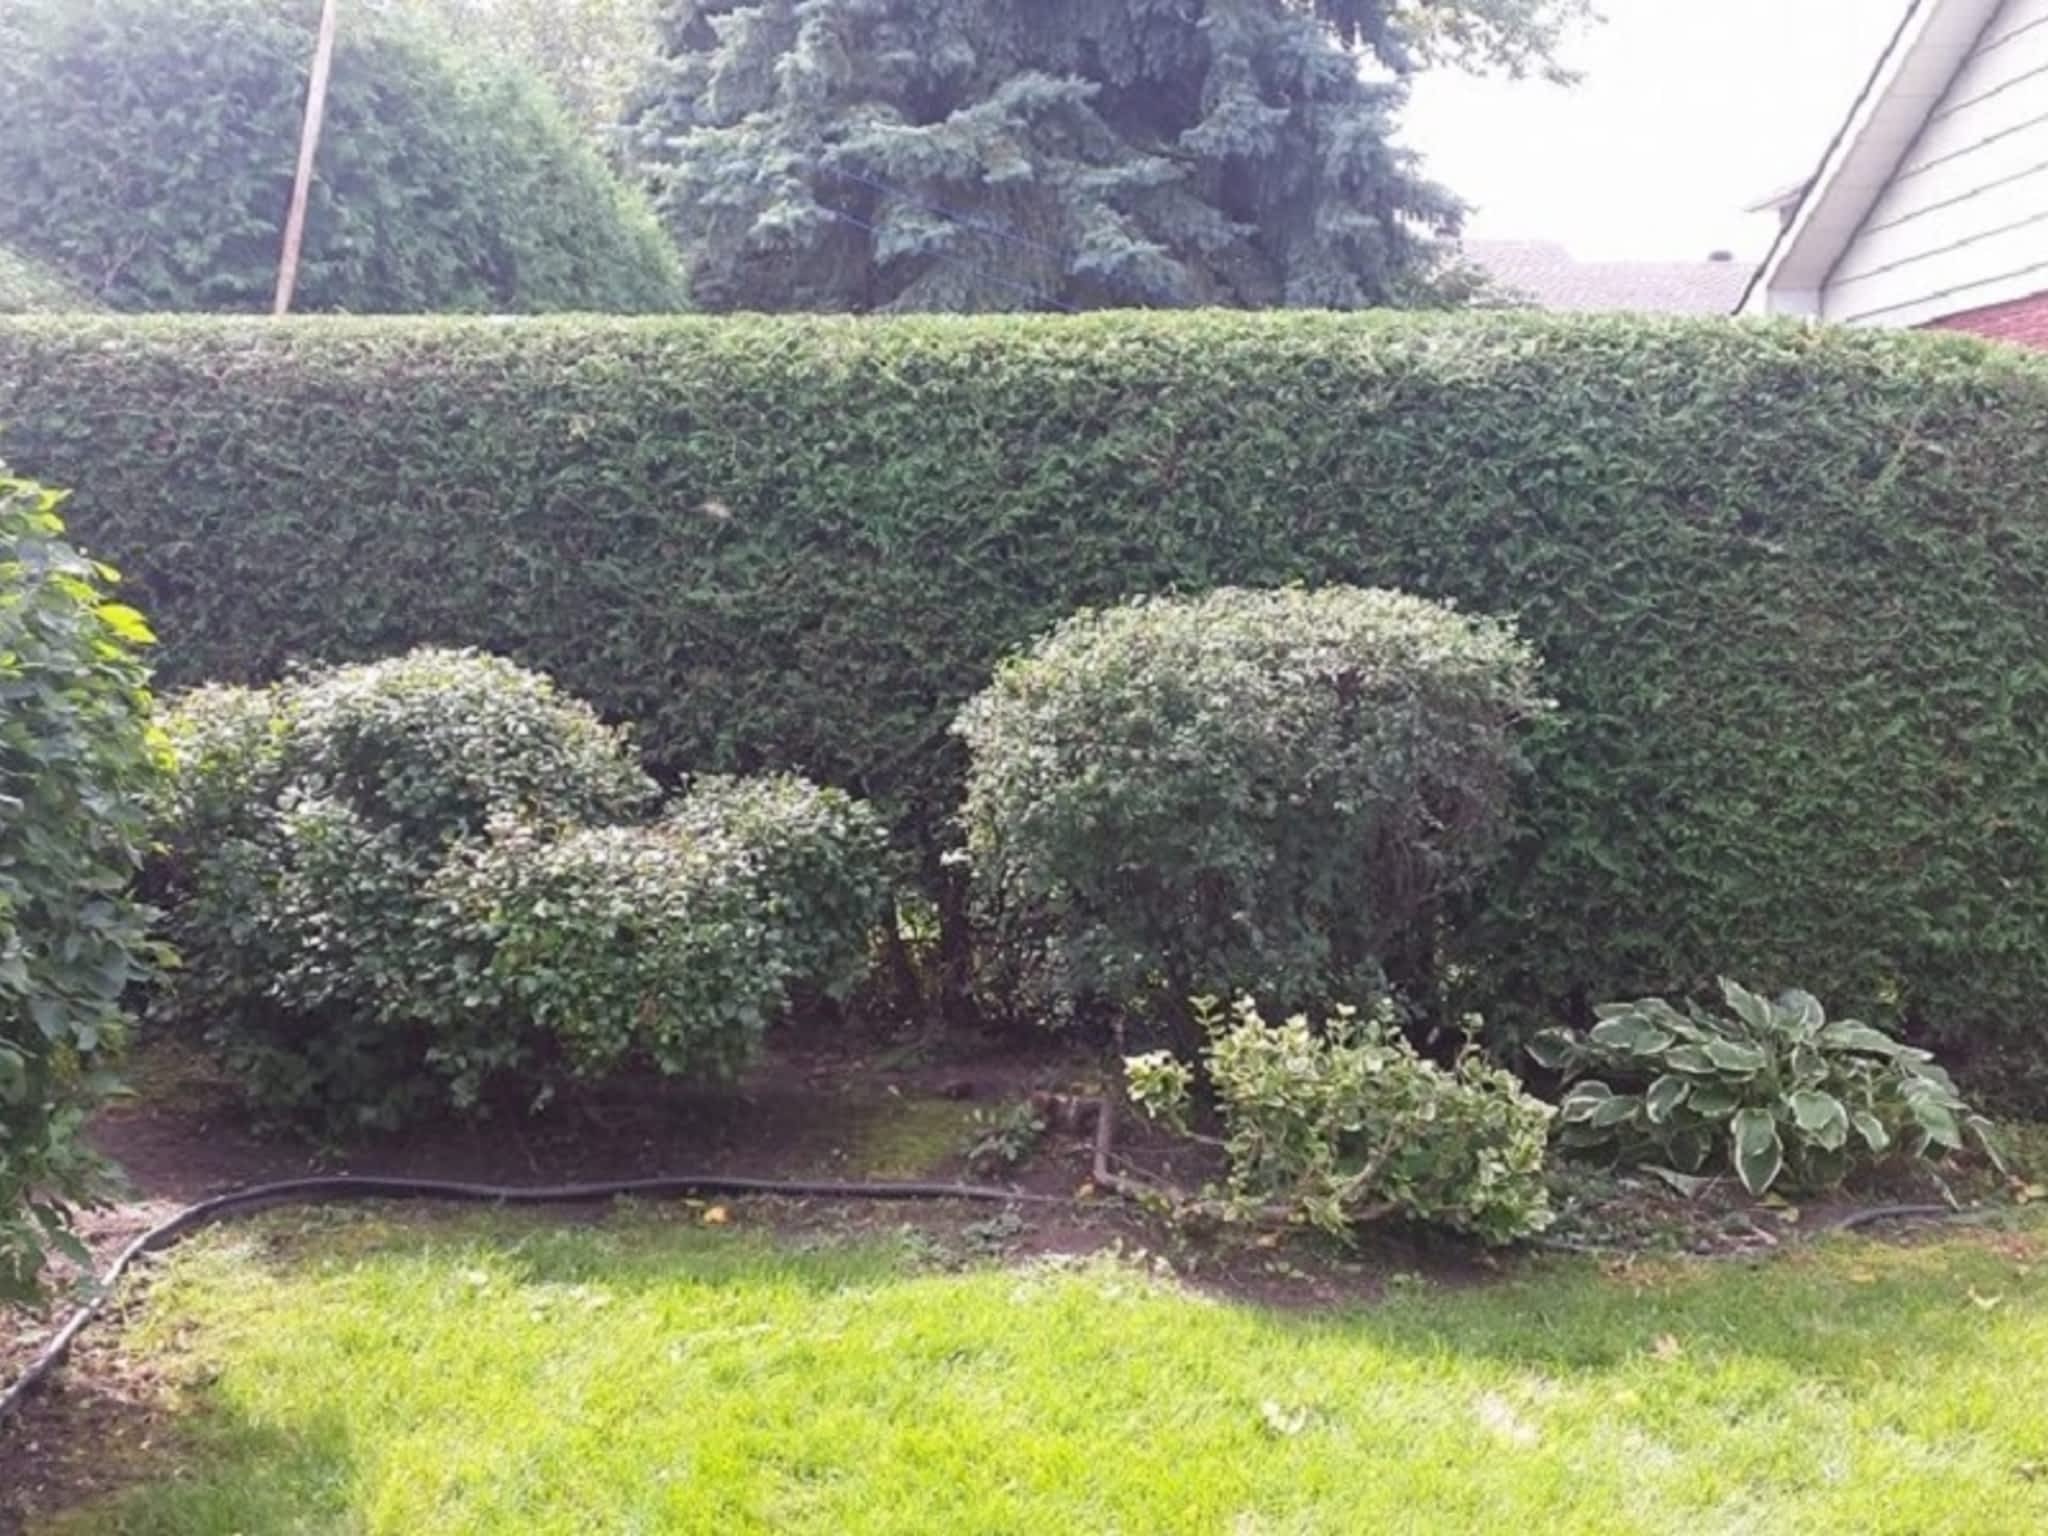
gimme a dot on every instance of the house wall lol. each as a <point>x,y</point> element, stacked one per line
<point>2024,321</point>
<point>1963,223</point>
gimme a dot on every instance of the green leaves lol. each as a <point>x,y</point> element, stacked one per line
<point>799,541</point>
<point>1777,1084</point>
<point>78,762</point>
<point>1821,1118</point>
<point>401,884</point>
<point>1344,1122</point>
<point>1848,1035</point>
<point>1631,1033</point>
<point>1270,788</point>
<point>1664,1097</point>
<point>142,160</point>
<point>1731,1057</point>
<point>1754,1149</point>
<point>1105,156</point>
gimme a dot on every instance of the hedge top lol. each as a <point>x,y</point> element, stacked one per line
<point>1789,585</point>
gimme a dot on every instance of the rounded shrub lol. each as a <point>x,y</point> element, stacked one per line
<point>78,761</point>
<point>1253,791</point>
<point>816,857</point>
<point>436,742</point>
<point>429,882</point>
<point>673,945</point>
<point>148,146</point>
<point>303,826</point>
<point>604,947</point>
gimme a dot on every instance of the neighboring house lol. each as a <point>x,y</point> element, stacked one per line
<point>1550,277</point>
<point>1931,206</point>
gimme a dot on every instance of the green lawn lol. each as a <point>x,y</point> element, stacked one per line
<point>367,1374</point>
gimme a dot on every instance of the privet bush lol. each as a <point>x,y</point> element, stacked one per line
<point>808,541</point>
<point>674,944</point>
<point>147,149</point>
<point>1775,1087</point>
<point>78,759</point>
<point>816,857</point>
<point>1276,788</point>
<point>400,886</point>
<point>304,825</point>
<point>1342,1123</point>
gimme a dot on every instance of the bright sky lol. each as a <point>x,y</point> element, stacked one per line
<point>1688,111</point>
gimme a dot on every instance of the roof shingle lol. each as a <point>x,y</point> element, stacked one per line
<point>1554,279</point>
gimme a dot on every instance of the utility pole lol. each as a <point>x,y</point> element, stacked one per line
<point>309,149</point>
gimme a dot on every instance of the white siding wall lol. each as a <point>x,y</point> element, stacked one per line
<point>1964,222</point>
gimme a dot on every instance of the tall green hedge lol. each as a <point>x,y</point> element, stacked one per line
<point>1789,586</point>
<point>147,150</point>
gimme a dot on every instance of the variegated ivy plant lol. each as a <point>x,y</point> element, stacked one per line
<point>1775,1086</point>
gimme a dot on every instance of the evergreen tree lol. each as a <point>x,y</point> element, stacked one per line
<point>1039,154</point>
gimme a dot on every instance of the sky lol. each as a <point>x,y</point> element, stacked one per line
<point>1687,111</point>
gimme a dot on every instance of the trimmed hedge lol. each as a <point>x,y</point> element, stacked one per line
<point>1789,586</point>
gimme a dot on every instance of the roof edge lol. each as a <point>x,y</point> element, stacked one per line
<point>1838,196</point>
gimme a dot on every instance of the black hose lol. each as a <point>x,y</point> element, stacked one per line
<point>345,1187</point>
<point>1855,1219</point>
<point>341,1187</point>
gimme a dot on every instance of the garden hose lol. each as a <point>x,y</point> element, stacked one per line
<point>325,1190</point>
<point>344,1187</point>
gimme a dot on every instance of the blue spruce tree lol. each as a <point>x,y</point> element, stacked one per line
<point>867,155</point>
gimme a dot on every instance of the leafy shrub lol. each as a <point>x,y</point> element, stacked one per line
<point>674,945</point>
<point>1344,1123</point>
<point>77,762</point>
<point>300,834</point>
<point>808,541</point>
<point>1281,785</point>
<point>815,857</point>
<point>151,163</point>
<point>394,897</point>
<point>435,742</point>
<point>1775,1085</point>
<point>606,946</point>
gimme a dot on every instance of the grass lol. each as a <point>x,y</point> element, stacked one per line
<point>359,1374</point>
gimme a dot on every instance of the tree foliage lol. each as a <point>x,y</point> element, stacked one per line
<point>590,52</point>
<point>77,763</point>
<point>985,155</point>
<point>147,149</point>
<point>27,287</point>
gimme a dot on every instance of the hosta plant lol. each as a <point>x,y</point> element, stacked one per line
<point>1344,1123</point>
<point>1780,1091</point>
